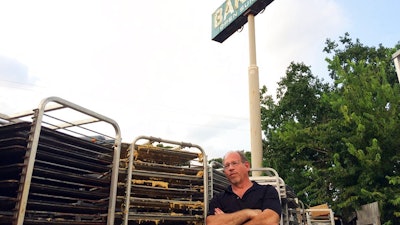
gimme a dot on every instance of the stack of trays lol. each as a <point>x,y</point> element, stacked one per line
<point>218,181</point>
<point>70,182</point>
<point>13,142</point>
<point>166,186</point>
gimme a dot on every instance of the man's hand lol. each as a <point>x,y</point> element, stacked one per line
<point>218,211</point>
<point>236,218</point>
<point>267,217</point>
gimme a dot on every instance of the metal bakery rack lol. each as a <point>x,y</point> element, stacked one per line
<point>163,182</point>
<point>58,171</point>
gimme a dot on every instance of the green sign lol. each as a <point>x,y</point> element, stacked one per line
<point>232,15</point>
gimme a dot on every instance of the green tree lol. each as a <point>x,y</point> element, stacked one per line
<point>289,126</point>
<point>367,98</point>
<point>338,143</point>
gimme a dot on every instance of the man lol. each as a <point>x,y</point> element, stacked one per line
<point>244,202</point>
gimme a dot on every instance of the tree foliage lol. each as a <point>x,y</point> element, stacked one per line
<point>338,143</point>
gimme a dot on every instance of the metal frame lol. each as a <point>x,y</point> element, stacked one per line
<point>216,174</point>
<point>37,122</point>
<point>125,212</point>
<point>327,219</point>
<point>271,177</point>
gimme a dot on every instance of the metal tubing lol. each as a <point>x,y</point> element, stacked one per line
<point>26,175</point>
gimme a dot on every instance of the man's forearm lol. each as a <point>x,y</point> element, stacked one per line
<point>267,217</point>
<point>236,218</point>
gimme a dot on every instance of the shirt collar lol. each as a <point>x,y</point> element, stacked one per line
<point>253,187</point>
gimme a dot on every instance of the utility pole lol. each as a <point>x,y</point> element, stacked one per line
<point>227,19</point>
<point>254,99</point>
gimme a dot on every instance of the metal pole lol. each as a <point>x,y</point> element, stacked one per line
<point>254,99</point>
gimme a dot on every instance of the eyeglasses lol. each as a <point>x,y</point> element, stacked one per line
<point>233,164</point>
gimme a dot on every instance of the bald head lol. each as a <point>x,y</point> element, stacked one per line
<point>237,152</point>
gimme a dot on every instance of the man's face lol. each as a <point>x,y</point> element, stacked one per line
<point>235,170</point>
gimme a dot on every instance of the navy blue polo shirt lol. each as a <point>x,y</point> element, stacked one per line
<point>256,197</point>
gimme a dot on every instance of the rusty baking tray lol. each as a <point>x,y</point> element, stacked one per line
<point>152,154</point>
<point>164,218</point>
<point>76,144</point>
<point>15,130</point>
<point>140,165</point>
<point>60,218</point>
<point>167,205</point>
<point>167,193</point>
<point>6,216</point>
<point>44,169</point>
<point>11,154</point>
<point>171,178</point>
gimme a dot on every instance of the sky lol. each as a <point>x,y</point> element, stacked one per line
<point>152,66</point>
